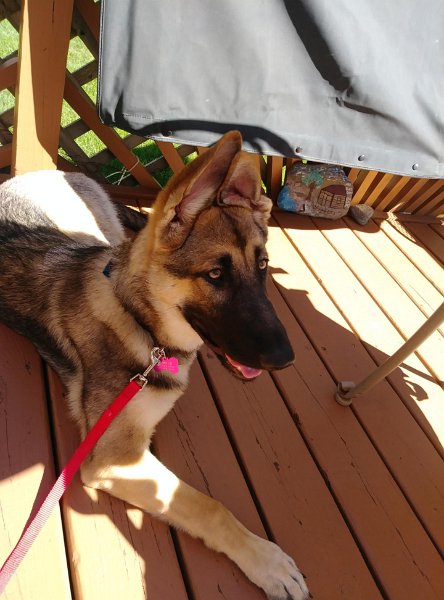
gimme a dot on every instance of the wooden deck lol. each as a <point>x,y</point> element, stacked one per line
<point>355,495</point>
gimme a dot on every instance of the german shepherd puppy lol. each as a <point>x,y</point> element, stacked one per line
<point>95,304</point>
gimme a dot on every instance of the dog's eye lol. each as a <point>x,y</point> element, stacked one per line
<point>263,263</point>
<point>215,273</point>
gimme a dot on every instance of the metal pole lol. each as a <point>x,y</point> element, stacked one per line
<point>347,390</point>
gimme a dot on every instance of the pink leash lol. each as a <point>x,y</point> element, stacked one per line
<point>64,479</point>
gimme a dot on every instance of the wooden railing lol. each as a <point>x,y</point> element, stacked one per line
<point>31,136</point>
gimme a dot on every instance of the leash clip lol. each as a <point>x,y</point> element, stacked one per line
<point>157,354</point>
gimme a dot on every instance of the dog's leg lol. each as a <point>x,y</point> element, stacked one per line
<point>149,485</point>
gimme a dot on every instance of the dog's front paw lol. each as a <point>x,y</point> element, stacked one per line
<point>274,571</point>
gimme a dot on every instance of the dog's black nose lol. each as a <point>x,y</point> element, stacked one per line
<point>278,358</point>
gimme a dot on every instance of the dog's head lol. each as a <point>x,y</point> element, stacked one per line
<point>207,246</point>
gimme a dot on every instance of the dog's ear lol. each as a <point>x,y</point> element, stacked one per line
<point>243,187</point>
<point>194,189</point>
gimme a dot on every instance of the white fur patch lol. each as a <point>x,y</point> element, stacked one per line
<point>75,203</point>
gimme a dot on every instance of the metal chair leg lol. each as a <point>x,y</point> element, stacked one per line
<point>347,390</point>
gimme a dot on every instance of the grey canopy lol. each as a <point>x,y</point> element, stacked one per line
<point>351,82</point>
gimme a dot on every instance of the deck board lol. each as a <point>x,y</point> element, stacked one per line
<point>403,272</point>
<point>380,412</point>
<point>290,490</point>
<point>429,238</point>
<point>115,551</point>
<point>392,429</point>
<point>363,319</point>
<point>355,495</point>
<point>372,504</point>
<point>358,282</point>
<point>412,248</point>
<point>26,471</point>
<point>439,229</point>
<point>193,443</point>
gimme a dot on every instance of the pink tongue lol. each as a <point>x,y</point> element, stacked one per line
<point>247,372</point>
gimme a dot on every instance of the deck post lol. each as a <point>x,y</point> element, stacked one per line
<point>274,176</point>
<point>347,390</point>
<point>45,28</point>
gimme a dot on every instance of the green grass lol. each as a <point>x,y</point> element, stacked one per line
<point>78,55</point>
<point>9,39</point>
<point>6,101</point>
<point>69,115</point>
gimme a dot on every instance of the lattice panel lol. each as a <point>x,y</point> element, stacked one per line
<point>85,144</point>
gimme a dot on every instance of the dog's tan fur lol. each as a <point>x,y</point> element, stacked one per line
<point>98,331</point>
